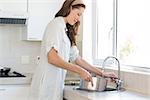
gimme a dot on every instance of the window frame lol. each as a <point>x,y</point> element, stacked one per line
<point>99,62</point>
<point>95,36</point>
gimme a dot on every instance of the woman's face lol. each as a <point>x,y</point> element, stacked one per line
<point>74,15</point>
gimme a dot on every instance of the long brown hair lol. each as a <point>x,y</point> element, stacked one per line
<point>72,30</point>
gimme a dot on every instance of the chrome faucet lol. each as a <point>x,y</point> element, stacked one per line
<point>117,81</point>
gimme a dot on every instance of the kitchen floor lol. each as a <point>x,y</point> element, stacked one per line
<point>14,92</point>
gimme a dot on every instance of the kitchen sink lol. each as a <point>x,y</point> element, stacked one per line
<point>114,89</point>
<point>76,86</point>
<point>106,90</point>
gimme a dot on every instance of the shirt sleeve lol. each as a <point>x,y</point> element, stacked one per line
<point>53,38</point>
<point>74,53</point>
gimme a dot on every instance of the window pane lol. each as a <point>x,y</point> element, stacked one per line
<point>105,24</point>
<point>133,32</point>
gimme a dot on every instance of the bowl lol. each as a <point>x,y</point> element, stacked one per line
<point>99,84</point>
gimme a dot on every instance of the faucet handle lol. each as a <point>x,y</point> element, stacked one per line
<point>118,83</point>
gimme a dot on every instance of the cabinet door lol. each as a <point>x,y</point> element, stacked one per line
<point>14,92</point>
<point>13,5</point>
<point>41,12</point>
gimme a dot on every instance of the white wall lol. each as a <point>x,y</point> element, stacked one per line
<point>87,32</point>
<point>134,80</point>
<point>12,48</point>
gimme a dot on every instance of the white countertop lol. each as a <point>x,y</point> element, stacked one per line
<point>20,92</point>
<point>14,92</point>
<point>71,94</point>
<point>16,80</point>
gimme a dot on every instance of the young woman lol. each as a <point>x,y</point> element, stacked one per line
<point>58,50</point>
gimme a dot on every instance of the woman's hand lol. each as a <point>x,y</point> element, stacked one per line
<point>110,75</point>
<point>86,76</point>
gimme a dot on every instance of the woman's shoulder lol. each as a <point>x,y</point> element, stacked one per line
<point>57,21</point>
<point>55,26</point>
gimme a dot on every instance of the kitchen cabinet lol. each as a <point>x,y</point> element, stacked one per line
<point>13,6</point>
<point>14,92</point>
<point>40,13</point>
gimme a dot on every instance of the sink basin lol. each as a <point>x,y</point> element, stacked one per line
<point>114,89</point>
<point>106,90</point>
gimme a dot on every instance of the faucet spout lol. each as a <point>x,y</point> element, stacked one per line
<point>117,81</point>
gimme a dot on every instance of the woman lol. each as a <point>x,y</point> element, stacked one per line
<point>57,51</point>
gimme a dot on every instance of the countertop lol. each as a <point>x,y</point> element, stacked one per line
<point>20,92</point>
<point>14,92</point>
<point>16,80</point>
<point>72,94</point>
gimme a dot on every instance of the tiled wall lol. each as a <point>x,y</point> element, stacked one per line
<point>12,48</point>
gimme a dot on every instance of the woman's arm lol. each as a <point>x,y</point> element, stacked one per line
<point>84,64</point>
<point>55,59</point>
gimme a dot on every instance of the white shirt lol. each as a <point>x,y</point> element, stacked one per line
<point>48,80</point>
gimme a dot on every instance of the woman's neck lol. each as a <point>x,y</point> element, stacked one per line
<point>65,19</point>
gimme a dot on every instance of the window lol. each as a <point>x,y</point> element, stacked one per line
<point>105,24</point>
<point>130,42</point>
<point>133,32</point>
<point>104,37</point>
